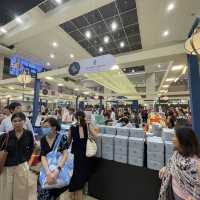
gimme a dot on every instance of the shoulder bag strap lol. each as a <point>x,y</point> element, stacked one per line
<point>5,142</point>
<point>57,143</point>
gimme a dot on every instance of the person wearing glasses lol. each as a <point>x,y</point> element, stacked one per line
<point>19,146</point>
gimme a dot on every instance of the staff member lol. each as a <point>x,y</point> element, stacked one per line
<point>14,178</point>
<point>6,124</point>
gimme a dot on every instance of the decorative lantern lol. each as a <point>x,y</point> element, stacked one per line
<point>24,78</point>
<point>192,44</point>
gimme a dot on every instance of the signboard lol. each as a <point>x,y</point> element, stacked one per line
<point>135,105</point>
<point>92,65</point>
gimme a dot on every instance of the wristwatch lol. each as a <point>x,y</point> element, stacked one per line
<point>59,168</point>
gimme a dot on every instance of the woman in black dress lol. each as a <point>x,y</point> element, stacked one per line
<point>50,130</point>
<point>78,135</point>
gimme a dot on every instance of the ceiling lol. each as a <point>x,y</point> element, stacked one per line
<point>152,41</point>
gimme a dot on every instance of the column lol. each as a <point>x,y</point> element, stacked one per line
<point>36,101</point>
<point>1,66</point>
<point>77,97</point>
<point>194,83</point>
<point>150,86</point>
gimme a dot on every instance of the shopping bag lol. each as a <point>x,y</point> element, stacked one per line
<point>91,148</point>
<point>65,173</point>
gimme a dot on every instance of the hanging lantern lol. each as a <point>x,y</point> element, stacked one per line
<point>192,44</point>
<point>24,78</point>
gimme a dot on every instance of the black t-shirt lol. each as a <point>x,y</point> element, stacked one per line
<point>19,150</point>
<point>45,148</point>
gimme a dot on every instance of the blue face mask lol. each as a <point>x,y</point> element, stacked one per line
<point>46,131</point>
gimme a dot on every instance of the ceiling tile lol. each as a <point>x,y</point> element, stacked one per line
<point>93,17</point>
<point>77,35</point>
<point>129,18</point>
<point>68,26</point>
<point>80,22</point>
<point>85,44</point>
<point>100,27</point>
<point>136,47</point>
<point>118,35</point>
<point>125,5</point>
<point>132,30</point>
<point>109,10</point>
<point>113,19</point>
<point>134,40</point>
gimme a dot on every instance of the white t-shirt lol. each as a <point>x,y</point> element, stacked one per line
<point>112,116</point>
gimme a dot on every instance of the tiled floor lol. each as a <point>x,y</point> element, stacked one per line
<point>33,193</point>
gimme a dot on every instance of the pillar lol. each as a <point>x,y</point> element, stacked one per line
<point>77,97</point>
<point>1,66</point>
<point>36,101</point>
<point>150,86</point>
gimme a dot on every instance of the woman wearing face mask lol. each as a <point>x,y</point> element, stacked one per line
<point>20,143</point>
<point>50,131</point>
<point>78,135</point>
<point>181,177</point>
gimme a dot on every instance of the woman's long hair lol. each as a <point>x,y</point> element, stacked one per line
<point>80,116</point>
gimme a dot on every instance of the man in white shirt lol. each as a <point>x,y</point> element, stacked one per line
<point>6,124</point>
<point>112,116</point>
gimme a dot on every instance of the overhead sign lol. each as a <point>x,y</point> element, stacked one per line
<point>92,65</point>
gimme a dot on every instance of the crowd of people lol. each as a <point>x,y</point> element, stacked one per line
<point>17,141</point>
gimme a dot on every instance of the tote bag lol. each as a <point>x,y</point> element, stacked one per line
<point>3,153</point>
<point>53,159</point>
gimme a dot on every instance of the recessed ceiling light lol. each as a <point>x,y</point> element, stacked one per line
<point>165,86</point>
<point>122,44</point>
<point>52,55</point>
<point>178,67</point>
<point>60,84</point>
<point>162,91</point>
<point>169,79</point>
<point>159,66</point>
<point>170,7</point>
<point>71,55</point>
<point>3,30</point>
<point>176,79</point>
<point>88,34</point>
<point>133,71</point>
<point>114,26</point>
<point>48,64</point>
<point>49,78</point>
<point>165,33</point>
<point>115,67</point>
<point>100,49</point>
<point>76,89</point>
<point>106,39</point>
<point>19,20</point>
<point>86,92</point>
<point>11,88</point>
<point>58,1</point>
<point>55,44</point>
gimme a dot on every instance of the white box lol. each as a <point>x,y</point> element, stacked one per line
<point>168,134</point>
<point>137,132</point>
<point>155,144</point>
<point>136,162</point>
<point>154,165</point>
<point>110,130</point>
<point>123,131</point>
<point>155,156</point>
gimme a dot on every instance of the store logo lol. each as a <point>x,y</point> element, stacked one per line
<point>74,68</point>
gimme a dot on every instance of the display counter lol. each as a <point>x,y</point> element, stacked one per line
<point>116,181</point>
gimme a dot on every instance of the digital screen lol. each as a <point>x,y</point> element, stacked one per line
<point>19,64</point>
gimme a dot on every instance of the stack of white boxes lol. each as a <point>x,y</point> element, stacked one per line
<point>169,149</point>
<point>157,130</point>
<point>137,132</point>
<point>123,131</point>
<point>98,142</point>
<point>121,149</point>
<point>136,151</point>
<point>155,153</point>
<point>107,146</point>
<point>102,128</point>
<point>167,134</point>
<point>110,130</point>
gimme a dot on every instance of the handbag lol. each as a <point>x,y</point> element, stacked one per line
<point>3,153</point>
<point>65,173</point>
<point>91,147</point>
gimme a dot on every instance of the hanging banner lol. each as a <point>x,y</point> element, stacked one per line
<point>92,65</point>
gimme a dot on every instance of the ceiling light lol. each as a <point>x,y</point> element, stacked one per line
<point>184,70</point>
<point>162,91</point>
<point>100,49</point>
<point>3,30</point>
<point>170,7</point>
<point>169,79</point>
<point>71,55</point>
<point>165,86</point>
<point>115,67</point>
<point>159,66</point>
<point>86,92</point>
<point>122,44</point>
<point>176,79</point>
<point>114,26</point>
<point>133,70</point>
<point>58,1</point>
<point>76,89</point>
<point>52,55</point>
<point>88,34</point>
<point>49,78</point>
<point>19,20</point>
<point>60,84</point>
<point>11,88</point>
<point>106,39</point>
<point>48,64</point>
<point>178,67</point>
<point>165,33</point>
<point>55,44</point>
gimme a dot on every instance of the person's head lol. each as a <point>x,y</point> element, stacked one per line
<point>18,119</point>
<point>112,109</point>
<point>71,111</point>
<point>6,111</point>
<point>186,142</point>
<point>15,107</point>
<point>50,126</point>
<point>80,117</point>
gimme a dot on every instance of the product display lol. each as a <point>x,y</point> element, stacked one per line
<point>136,151</point>
<point>123,131</point>
<point>155,153</point>
<point>110,130</point>
<point>157,130</point>
<point>169,149</point>
<point>167,134</point>
<point>108,146</point>
<point>137,132</point>
<point>121,149</point>
<point>102,128</point>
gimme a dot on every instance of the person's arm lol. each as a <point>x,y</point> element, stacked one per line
<point>2,126</point>
<point>94,131</point>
